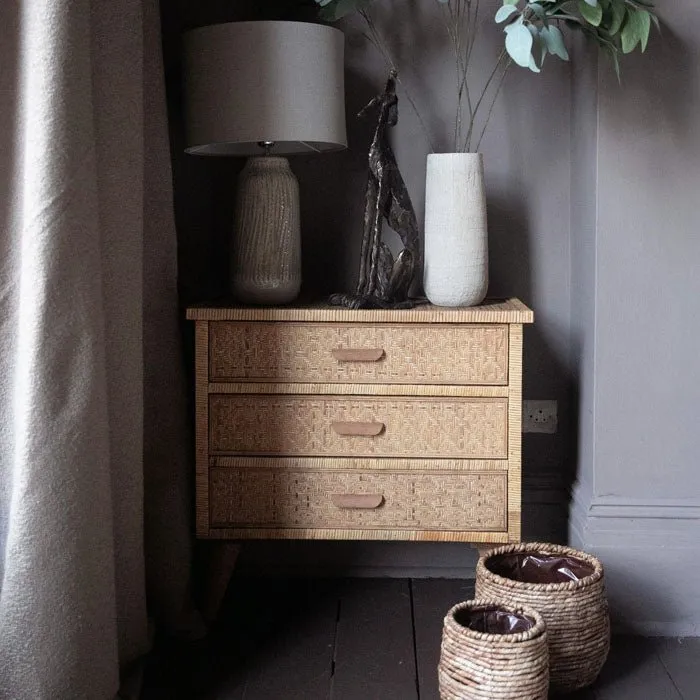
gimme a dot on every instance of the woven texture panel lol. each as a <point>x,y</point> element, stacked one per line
<point>491,311</point>
<point>304,499</point>
<point>302,426</point>
<point>411,354</point>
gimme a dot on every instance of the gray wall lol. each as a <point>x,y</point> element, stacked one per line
<point>592,203</point>
<point>528,177</point>
<point>635,318</point>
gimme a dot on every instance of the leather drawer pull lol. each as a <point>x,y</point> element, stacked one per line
<point>358,501</point>
<point>362,429</point>
<point>356,355</point>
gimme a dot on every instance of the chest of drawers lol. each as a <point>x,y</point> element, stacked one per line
<point>326,423</point>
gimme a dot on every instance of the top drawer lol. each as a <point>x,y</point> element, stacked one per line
<point>362,353</point>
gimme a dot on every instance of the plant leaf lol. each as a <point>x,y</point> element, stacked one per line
<point>644,28</point>
<point>539,11</point>
<point>537,46</point>
<point>544,49</point>
<point>629,35</point>
<point>616,63</point>
<point>618,16</point>
<point>636,30</point>
<point>593,14</point>
<point>554,40</point>
<point>505,12</point>
<point>519,44</point>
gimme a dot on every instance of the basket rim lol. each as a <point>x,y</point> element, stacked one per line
<point>538,629</point>
<point>541,548</point>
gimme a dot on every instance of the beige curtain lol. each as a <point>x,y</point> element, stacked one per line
<point>92,417</point>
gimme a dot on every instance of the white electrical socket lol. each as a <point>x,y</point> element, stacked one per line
<point>540,417</point>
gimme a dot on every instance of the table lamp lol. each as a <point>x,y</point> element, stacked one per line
<point>265,90</point>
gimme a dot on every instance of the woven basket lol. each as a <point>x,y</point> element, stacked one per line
<point>576,612</point>
<point>479,666</point>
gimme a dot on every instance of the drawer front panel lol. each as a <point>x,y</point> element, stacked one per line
<point>336,353</point>
<point>253,497</point>
<point>464,428</point>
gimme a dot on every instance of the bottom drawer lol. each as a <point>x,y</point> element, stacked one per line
<point>386,500</point>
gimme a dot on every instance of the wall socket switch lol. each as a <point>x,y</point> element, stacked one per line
<point>540,417</point>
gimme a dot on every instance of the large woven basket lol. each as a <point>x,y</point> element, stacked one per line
<point>475,665</point>
<point>576,611</point>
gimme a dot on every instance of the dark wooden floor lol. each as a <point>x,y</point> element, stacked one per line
<point>368,639</point>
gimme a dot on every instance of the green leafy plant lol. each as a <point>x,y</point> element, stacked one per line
<point>533,31</point>
<point>532,28</point>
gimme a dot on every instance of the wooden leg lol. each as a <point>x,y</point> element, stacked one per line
<point>220,563</point>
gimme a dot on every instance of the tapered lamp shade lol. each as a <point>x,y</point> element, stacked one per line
<point>251,82</point>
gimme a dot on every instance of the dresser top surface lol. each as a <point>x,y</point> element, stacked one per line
<point>491,311</point>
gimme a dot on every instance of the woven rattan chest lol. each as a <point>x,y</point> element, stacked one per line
<point>326,423</point>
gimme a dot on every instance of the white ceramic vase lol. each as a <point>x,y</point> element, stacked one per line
<point>456,267</point>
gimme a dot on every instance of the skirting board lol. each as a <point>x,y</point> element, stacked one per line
<point>652,562</point>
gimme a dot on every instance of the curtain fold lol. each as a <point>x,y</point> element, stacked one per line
<point>91,393</point>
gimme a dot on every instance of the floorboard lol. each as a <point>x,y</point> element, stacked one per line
<point>185,671</point>
<point>297,660</point>
<point>585,694</point>
<point>368,639</point>
<point>241,634</point>
<point>374,655</point>
<point>634,672</point>
<point>432,598</point>
<point>681,659</point>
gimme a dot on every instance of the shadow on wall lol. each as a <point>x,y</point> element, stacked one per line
<point>548,463</point>
<point>418,44</point>
<point>665,79</point>
<point>332,200</point>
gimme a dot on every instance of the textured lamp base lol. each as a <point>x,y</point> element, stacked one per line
<point>266,261</point>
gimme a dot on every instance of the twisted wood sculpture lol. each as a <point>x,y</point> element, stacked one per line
<point>384,281</point>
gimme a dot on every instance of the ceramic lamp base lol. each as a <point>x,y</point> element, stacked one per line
<point>266,260</point>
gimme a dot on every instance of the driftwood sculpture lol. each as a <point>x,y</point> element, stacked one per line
<point>384,281</point>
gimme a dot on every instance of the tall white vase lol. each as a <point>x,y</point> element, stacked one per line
<point>456,268</point>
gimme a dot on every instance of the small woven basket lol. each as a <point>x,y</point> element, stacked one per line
<point>475,665</point>
<point>576,611</point>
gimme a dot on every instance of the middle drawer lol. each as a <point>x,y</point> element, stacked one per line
<point>304,426</point>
